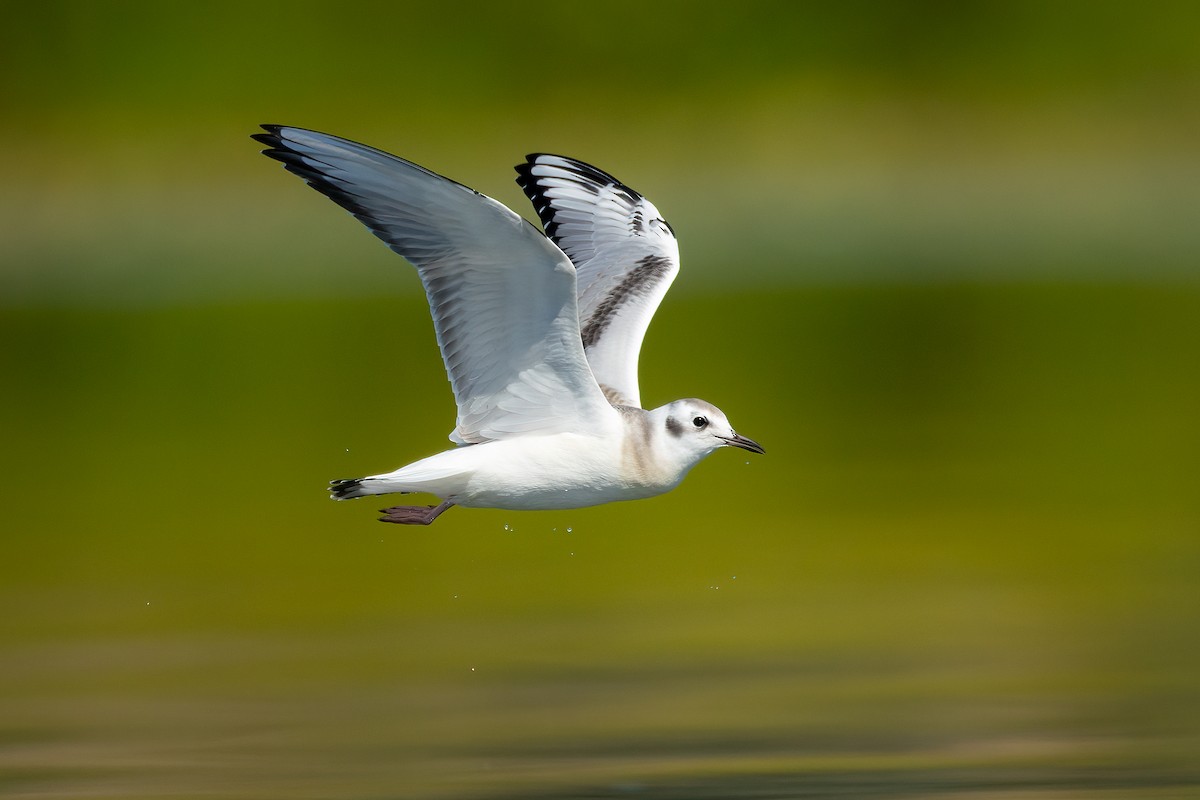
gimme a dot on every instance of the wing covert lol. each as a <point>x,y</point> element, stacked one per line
<point>624,252</point>
<point>502,295</point>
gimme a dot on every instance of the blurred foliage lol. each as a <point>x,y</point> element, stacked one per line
<point>150,58</point>
<point>858,141</point>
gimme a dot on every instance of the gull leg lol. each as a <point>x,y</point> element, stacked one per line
<point>413,515</point>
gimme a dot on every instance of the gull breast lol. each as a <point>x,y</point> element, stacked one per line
<point>641,464</point>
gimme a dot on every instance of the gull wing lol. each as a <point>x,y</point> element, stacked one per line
<point>625,254</point>
<point>502,295</point>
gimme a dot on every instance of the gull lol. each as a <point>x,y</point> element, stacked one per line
<point>539,332</point>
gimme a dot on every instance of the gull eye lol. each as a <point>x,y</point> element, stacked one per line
<point>700,422</point>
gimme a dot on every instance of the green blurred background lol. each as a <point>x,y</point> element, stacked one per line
<point>940,258</point>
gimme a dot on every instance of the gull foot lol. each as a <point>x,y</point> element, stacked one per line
<point>413,515</point>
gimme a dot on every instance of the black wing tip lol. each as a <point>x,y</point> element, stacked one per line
<point>309,160</point>
<point>271,137</point>
<point>525,176</point>
<point>581,169</point>
<point>584,175</point>
<point>277,148</point>
<point>533,190</point>
<point>588,176</point>
<point>532,158</point>
<point>294,162</point>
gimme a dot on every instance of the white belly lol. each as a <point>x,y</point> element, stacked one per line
<point>560,471</point>
<point>564,470</point>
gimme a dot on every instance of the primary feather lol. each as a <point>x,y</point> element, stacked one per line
<point>489,275</point>
<point>624,252</point>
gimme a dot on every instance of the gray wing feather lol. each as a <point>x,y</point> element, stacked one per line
<point>625,254</point>
<point>502,295</point>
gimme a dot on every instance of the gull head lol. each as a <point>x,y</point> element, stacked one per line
<point>691,429</point>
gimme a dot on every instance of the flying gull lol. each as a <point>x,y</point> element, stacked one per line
<point>539,333</point>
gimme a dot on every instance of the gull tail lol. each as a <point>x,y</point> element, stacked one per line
<point>346,488</point>
<point>350,488</point>
<point>443,475</point>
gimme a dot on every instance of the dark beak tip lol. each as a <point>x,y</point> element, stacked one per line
<point>746,444</point>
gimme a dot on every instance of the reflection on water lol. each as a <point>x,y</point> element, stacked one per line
<point>367,715</point>
<point>358,716</point>
<point>966,568</point>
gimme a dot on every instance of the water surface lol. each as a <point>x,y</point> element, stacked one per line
<point>967,566</point>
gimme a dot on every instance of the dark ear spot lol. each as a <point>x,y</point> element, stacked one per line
<point>673,427</point>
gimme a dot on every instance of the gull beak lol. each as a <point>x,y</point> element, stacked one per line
<point>741,441</point>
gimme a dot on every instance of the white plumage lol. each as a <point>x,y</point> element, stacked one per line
<point>540,336</point>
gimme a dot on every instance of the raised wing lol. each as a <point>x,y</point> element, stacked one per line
<point>502,295</point>
<point>624,252</point>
